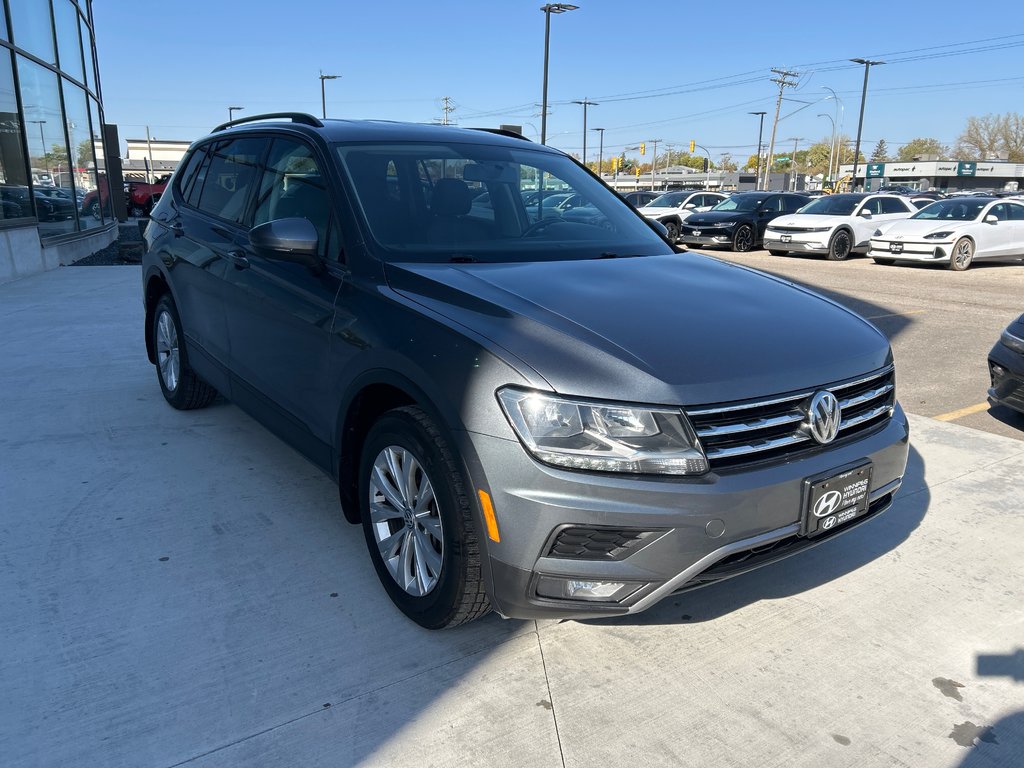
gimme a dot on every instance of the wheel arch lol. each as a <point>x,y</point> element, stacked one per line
<point>156,286</point>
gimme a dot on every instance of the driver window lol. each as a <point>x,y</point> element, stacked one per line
<point>292,187</point>
<point>999,211</point>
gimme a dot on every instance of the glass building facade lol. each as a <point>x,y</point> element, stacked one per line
<point>51,148</point>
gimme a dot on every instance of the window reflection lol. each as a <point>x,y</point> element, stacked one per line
<point>49,157</point>
<point>32,29</point>
<point>97,204</point>
<point>83,155</point>
<point>68,44</point>
<point>15,200</point>
<point>90,67</point>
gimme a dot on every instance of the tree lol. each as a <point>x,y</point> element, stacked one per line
<point>726,163</point>
<point>984,138</point>
<point>881,153</point>
<point>751,163</point>
<point>922,146</point>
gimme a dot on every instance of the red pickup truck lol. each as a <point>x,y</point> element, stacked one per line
<point>139,197</point>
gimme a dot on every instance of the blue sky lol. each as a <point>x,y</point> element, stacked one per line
<point>673,71</point>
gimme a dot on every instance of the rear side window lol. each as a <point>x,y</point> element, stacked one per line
<point>793,203</point>
<point>230,176</point>
<point>1016,211</point>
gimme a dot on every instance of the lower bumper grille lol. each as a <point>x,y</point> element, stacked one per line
<point>577,543</point>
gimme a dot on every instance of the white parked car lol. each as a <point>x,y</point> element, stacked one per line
<point>673,208</point>
<point>956,232</point>
<point>835,225</point>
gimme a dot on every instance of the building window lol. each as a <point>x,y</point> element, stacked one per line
<point>15,198</point>
<point>97,204</point>
<point>69,45</point>
<point>90,66</point>
<point>83,153</point>
<point>47,148</point>
<point>32,29</point>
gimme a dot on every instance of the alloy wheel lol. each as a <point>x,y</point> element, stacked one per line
<point>168,356</point>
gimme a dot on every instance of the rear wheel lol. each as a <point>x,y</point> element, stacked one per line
<point>181,386</point>
<point>418,521</point>
<point>743,240</point>
<point>962,255</point>
<point>839,246</point>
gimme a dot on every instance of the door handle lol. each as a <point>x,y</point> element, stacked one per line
<point>238,258</point>
<point>176,228</point>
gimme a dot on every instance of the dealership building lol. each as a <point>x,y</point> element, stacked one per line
<point>941,175</point>
<point>52,208</point>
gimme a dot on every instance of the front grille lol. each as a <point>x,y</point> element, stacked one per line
<point>577,543</point>
<point>738,434</point>
<point>778,228</point>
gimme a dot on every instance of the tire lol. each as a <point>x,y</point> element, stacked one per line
<point>181,386</point>
<point>777,253</point>
<point>839,246</point>
<point>743,239</point>
<point>673,231</point>
<point>94,210</point>
<point>432,572</point>
<point>885,262</point>
<point>962,255</point>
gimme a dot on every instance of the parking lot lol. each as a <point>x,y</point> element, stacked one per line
<point>179,588</point>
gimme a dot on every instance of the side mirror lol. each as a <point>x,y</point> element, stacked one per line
<point>865,213</point>
<point>689,205</point>
<point>293,240</point>
<point>660,228</point>
<point>991,219</point>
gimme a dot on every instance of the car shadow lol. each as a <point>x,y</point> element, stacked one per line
<point>1007,416</point>
<point>832,559</point>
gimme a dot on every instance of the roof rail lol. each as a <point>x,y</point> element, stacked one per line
<point>295,117</point>
<point>503,132</point>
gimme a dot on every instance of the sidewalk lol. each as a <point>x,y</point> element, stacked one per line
<point>181,589</point>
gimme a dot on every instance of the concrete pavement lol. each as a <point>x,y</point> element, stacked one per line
<point>180,589</point>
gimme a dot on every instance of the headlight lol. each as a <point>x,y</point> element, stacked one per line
<point>818,229</point>
<point>603,437</point>
<point>943,235</point>
<point>1016,343</point>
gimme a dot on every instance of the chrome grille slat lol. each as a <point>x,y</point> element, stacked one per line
<point>735,434</point>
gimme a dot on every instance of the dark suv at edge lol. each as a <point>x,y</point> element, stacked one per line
<point>739,221</point>
<point>543,417</point>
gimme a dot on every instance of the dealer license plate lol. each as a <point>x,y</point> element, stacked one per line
<point>896,247</point>
<point>836,499</point>
<point>786,238</point>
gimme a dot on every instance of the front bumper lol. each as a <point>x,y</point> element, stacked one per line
<point>1006,369</point>
<point>798,243</point>
<point>706,237</point>
<point>700,529</point>
<point>932,250</point>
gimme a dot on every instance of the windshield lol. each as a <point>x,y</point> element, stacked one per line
<point>424,201</point>
<point>669,200</point>
<point>833,205</point>
<point>740,202</point>
<point>953,210</point>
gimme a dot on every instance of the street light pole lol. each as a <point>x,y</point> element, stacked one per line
<point>654,162</point>
<point>585,103</point>
<point>548,10</point>
<point>760,131</point>
<point>860,122</point>
<point>837,128</point>
<point>600,152</point>
<point>323,92</point>
<point>796,142</point>
<point>832,146</point>
<point>231,112</point>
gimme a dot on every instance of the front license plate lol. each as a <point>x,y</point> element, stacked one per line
<point>786,238</point>
<point>896,247</point>
<point>835,500</point>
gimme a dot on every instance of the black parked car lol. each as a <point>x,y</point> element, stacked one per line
<point>739,221</point>
<point>1006,367</point>
<point>546,417</point>
<point>641,197</point>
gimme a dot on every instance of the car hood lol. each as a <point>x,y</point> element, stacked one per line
<point>913,229</point>
<point>811,220</point>
<point>672,329</point>
<point>719,217</point>
<point>656,210</point>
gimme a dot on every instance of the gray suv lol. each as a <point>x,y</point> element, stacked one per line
<point>541,417</point>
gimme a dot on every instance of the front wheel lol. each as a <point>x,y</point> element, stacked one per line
<point>418,521</point>
<point>181,386</point>
<point>673,231</point>
<point>839,246</point>
<point>743,240</point>
<point>962,255</point>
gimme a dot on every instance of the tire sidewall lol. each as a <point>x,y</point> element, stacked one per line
<point>400,428</point>
<point>833,255</point>
<point>166,304</point>
<point>736,239</point>
<point>953,265</point>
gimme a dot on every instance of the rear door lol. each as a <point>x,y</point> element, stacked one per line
<point>1016,222</point>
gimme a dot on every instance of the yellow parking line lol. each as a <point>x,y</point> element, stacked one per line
<point>898,314</point>
<point>954,415</point>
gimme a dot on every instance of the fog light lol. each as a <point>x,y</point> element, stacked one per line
<point>585,589</point>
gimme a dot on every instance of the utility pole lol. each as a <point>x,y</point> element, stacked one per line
<point>585,102</point>
<point>783,81</point>
<point>654,161</point>
<point>860,123</point>
<point>447,108</point>
<point>796,142</point>
<point>149,148</point>
<point>760,131</point>
<point>600,152</point>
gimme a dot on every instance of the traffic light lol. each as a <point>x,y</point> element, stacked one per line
<point>693,144</point>
<point>643,148</point>
<point>638,172</point>
<point>705,165</point>
<point>615,165</point>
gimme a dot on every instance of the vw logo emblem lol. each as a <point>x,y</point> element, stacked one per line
<point>828,504</point>
<point>824,417</point>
